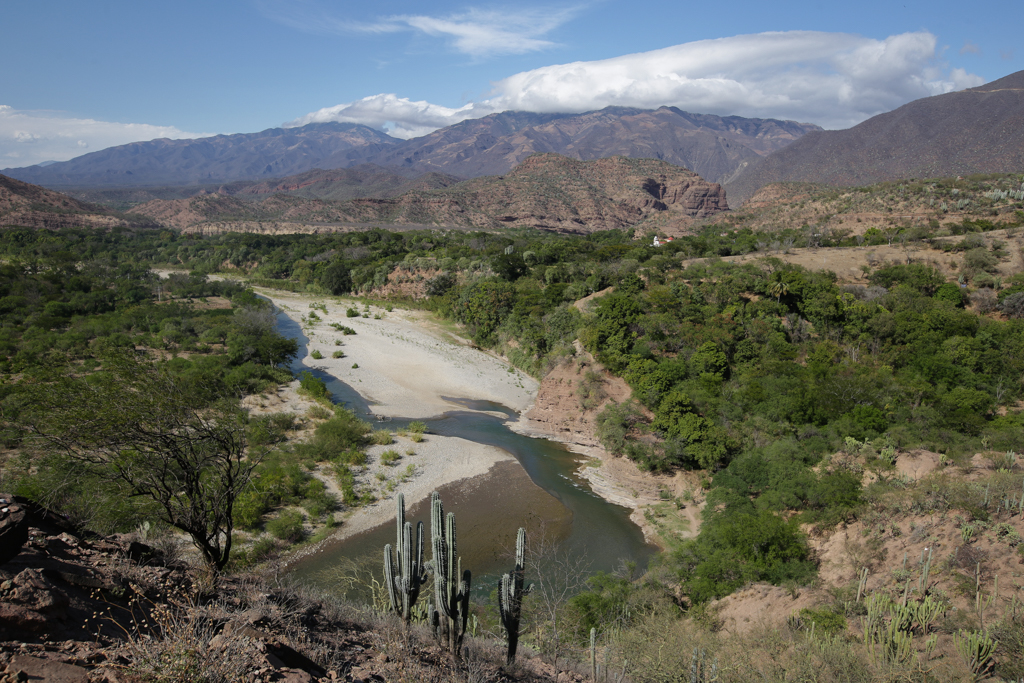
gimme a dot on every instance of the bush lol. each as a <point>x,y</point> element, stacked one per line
<point>352,457</point>
<point>338,354</point>
<point>249,509</point>
<point>382,437</point>
<point>984,300</point>
<point>1013,305</point>
<point>924,279</point>
<point>314,387</point>
<point>287,526</point>
<point>390,458</point>
<point>980,259</point>
<point>734,549</point>
<point>341,433</point>
<point>264,547</point>
<point>440,284</point>
<point>347,483</point>
<point>263,431</point>
<point>825,621</point>
<point>614,423</point>
<point>351,313</point>
<point>316,355</point>
<point>317,500</point>
<point>319,412</point>
<point>951,293</point>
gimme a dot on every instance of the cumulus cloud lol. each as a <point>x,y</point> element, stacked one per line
<point>475,32</point>
<point>31,137</point>
<point>833,79</point>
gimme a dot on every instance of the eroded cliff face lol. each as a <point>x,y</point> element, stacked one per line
<point>568,402</point>
<point>694,197</point>
<point>559,412</point>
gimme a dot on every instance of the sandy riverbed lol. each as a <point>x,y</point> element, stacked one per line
<point>407,363</point>
<point>407,367</point>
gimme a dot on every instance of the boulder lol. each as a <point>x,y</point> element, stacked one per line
<point>48,670</point>
<point>30,602</point>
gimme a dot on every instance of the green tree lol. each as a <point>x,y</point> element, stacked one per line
<point>151,435</point>
<point>336,279</point>
<point>777,289</point>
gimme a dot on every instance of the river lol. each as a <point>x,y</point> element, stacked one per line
<point>542,493</point>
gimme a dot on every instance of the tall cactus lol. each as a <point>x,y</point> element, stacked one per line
<point>451,593</point>
<point>510,596</point>
<point>404,589</point>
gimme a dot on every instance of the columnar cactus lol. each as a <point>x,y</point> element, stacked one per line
<point>451,593</point>
<point>510,597</point>
<point>404,589</point>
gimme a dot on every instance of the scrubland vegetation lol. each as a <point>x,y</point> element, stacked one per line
<point>795,396</point>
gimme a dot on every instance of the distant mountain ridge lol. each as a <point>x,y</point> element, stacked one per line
<point>546,191</point>
<point>712,146</point>
<point>979,130</point>
<point>271,153</point>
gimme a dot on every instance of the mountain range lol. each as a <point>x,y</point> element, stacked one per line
<point>979,130</point>
<point>712,146</point>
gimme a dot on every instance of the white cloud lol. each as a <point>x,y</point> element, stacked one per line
<point>475,32</point>
<point>402,117</point>
<point>30,137</point>
<point>482,33</point>
<point>833,79</point>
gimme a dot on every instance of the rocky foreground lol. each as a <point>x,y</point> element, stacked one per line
<point>76,607</point>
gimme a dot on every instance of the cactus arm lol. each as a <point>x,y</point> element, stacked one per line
<point>389,576</point>
<point>510,597</point>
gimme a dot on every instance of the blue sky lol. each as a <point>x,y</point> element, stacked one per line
<point>81,76</point>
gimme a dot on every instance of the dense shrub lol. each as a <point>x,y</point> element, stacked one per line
<point>287,526</point>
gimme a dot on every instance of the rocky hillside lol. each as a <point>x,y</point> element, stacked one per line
<point>368,180</point>
<point>546,191</point>
<point>995,198</point>
<point>979,130</point>
<point>553,192</point>
<point>31,206</point>
<point>76,607</point>
<point>712,146</point>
